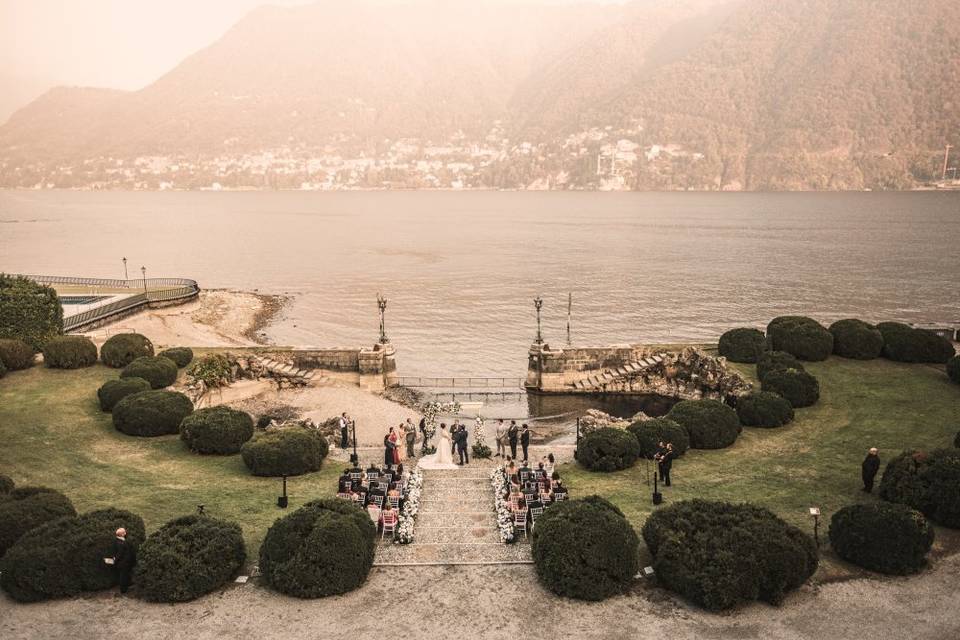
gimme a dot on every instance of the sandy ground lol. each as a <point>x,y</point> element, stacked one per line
<point>504,602</point>
<point>216,319</point>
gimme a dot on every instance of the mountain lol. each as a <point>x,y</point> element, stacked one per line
<point>687,94</point>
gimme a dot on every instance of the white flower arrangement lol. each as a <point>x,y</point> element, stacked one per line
<point>479,439</point>
<point>431,411</point>
<point>504,515</point>
<point>411,506</point>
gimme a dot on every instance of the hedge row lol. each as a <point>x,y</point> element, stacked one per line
<point>906,344</point>
<point>856,339</point>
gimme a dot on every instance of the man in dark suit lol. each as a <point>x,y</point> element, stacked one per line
<point>525,441</point>
<point>124,559</point>
<point>512,434</point>
<point>345,485</point>
<point>460,439</point>
<point>666,462</point>
<point>869,468</point>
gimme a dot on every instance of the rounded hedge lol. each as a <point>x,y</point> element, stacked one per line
<point>776,361</point>
<point>953,369</point>
<point>719,554</point>
<point>285,452</point>
<point>29,311</point>
<point>956,440</point>
<point>113,391</point>
<point>188,557</point>
<point>585,549</point>
<point>219,430</point>
<point>803,337</point>
<point>160,372</point>
<point>69,352</point>
<point>3,369</point>
<point>324,548</point>
<point>65,557</point>
<point>608,449</point>
<point>16,354</point>
<point>927,482</point>
<point>798,387</point>
<point>24,508</point>
<point>122,349</point>
<point>764,409</point>
<point>856,339</point>
<point>151,413</point>
<point>649,433</point>
<point>742,344</point>
<point>884,537</point>
<point>181,356</point>
<point>903,343</point>
<point>710,424</point>
<point>6,484</point>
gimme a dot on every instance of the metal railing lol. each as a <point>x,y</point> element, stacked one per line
<point>151,290</point>
<point>447,382</point>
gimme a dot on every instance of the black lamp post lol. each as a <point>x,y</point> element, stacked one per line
<point>538,303</point>
<point>382,304</point>
<point>354,458</point>
<point>125,276</point>
<point>143,270</point>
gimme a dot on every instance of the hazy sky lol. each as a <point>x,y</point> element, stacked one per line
<point>121,44</point>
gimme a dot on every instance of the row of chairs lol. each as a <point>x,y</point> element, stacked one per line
<point>375,499</point>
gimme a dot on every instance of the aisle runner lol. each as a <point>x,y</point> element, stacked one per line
<point>457,524</point>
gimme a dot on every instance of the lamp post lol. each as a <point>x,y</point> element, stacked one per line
<point>354,458</point>
<point>382,304</point>
<point>143,271</point>
<point>125,276</point>
<point>538,303</point>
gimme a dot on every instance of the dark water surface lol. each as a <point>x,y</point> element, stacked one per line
<point>460,269</point>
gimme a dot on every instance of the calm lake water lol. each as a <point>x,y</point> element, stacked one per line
<point>460,270</point>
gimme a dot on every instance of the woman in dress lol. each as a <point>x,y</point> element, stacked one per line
<point>442,459</point>
<point>401,439</point>
<point>396,451</point>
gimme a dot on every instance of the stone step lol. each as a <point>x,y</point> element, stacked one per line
<point>452,553</point>
<point>425,535</point>
<point>435,484</point>
<point>462,519</point>
<point>450,506</point>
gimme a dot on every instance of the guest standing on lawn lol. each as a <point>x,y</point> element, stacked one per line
<point>124,559</point>
<point>869,468</point>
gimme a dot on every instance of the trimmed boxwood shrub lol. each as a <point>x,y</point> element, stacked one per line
<point>650,432</point>
<point>151,413</point>
<point>884,537</point>
<point>64,557</point>
<point>29,311</point>
<point>719,554</point>
<point>188,557</point>
<point>69,352</point>
<point>216,430</point>
<point>6,484</point>
<point>799,387</point>
<point>956,440</point>
<point>3,369</point>
<point>742,344</point>
<point>710,423</point>
<point>585,549</point>
<point>285,452</point>
<point>122,349</point>
<point>953,369</point>
<point>927,482</point>
<point>324,548</point>
<point>608,449</point>
<point>903,343</point>
<point>764,409</point>
<point>804,337</point>
<point>856,339</point>
<point>181,356</point>
<point>113,391</point>
<point>160,372</point>
<point>24,508</point>
<point>775,361</point>
<point>16,354</point>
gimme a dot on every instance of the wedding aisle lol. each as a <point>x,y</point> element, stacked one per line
<point>456,525</point>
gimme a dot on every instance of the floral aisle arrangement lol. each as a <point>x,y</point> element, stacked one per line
<point>411,505</point>
<point>480,448</point>
<point>504,516</point>
<point>432,411</point>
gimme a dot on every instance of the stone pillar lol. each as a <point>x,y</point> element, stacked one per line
<point>534,367</point>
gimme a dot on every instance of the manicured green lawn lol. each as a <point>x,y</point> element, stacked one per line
<point>815,460</point>
<point>53,434</point>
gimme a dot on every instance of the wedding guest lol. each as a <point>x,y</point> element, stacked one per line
<point>501,438</point>
<point>411,438</point>
<point>346,483</point>
<point>344,430</point>
<point>525,441</point>
<point>512,433</point>
<point>551,463</point>
<point>124,559</point>
<point>401,442</point>
<point>373,469</point>
<point>666,463</point>
<point>559,489</point>
<point>869,468</point>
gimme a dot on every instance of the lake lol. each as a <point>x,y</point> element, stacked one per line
<point>460,270</point>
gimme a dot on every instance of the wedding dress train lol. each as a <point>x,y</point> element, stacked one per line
<point>442,459</point>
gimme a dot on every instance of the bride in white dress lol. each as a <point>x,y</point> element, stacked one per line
<point>442,459</point>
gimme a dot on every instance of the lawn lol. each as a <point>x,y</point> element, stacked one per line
<point>815,460</point>
<point>55,435</point>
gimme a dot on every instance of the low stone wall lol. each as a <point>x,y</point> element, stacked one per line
<point>376,366</point>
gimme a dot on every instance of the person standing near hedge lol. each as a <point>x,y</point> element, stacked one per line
<point>344,430</point>
<point>666,462</point>
<point>124,559</point>
<point>869,469</point>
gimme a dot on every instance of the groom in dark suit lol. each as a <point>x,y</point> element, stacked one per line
<point>460,438</point>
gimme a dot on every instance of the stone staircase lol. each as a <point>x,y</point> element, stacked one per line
<point>456,525</point>
<point>284,370</point>
<point>608,376</point>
